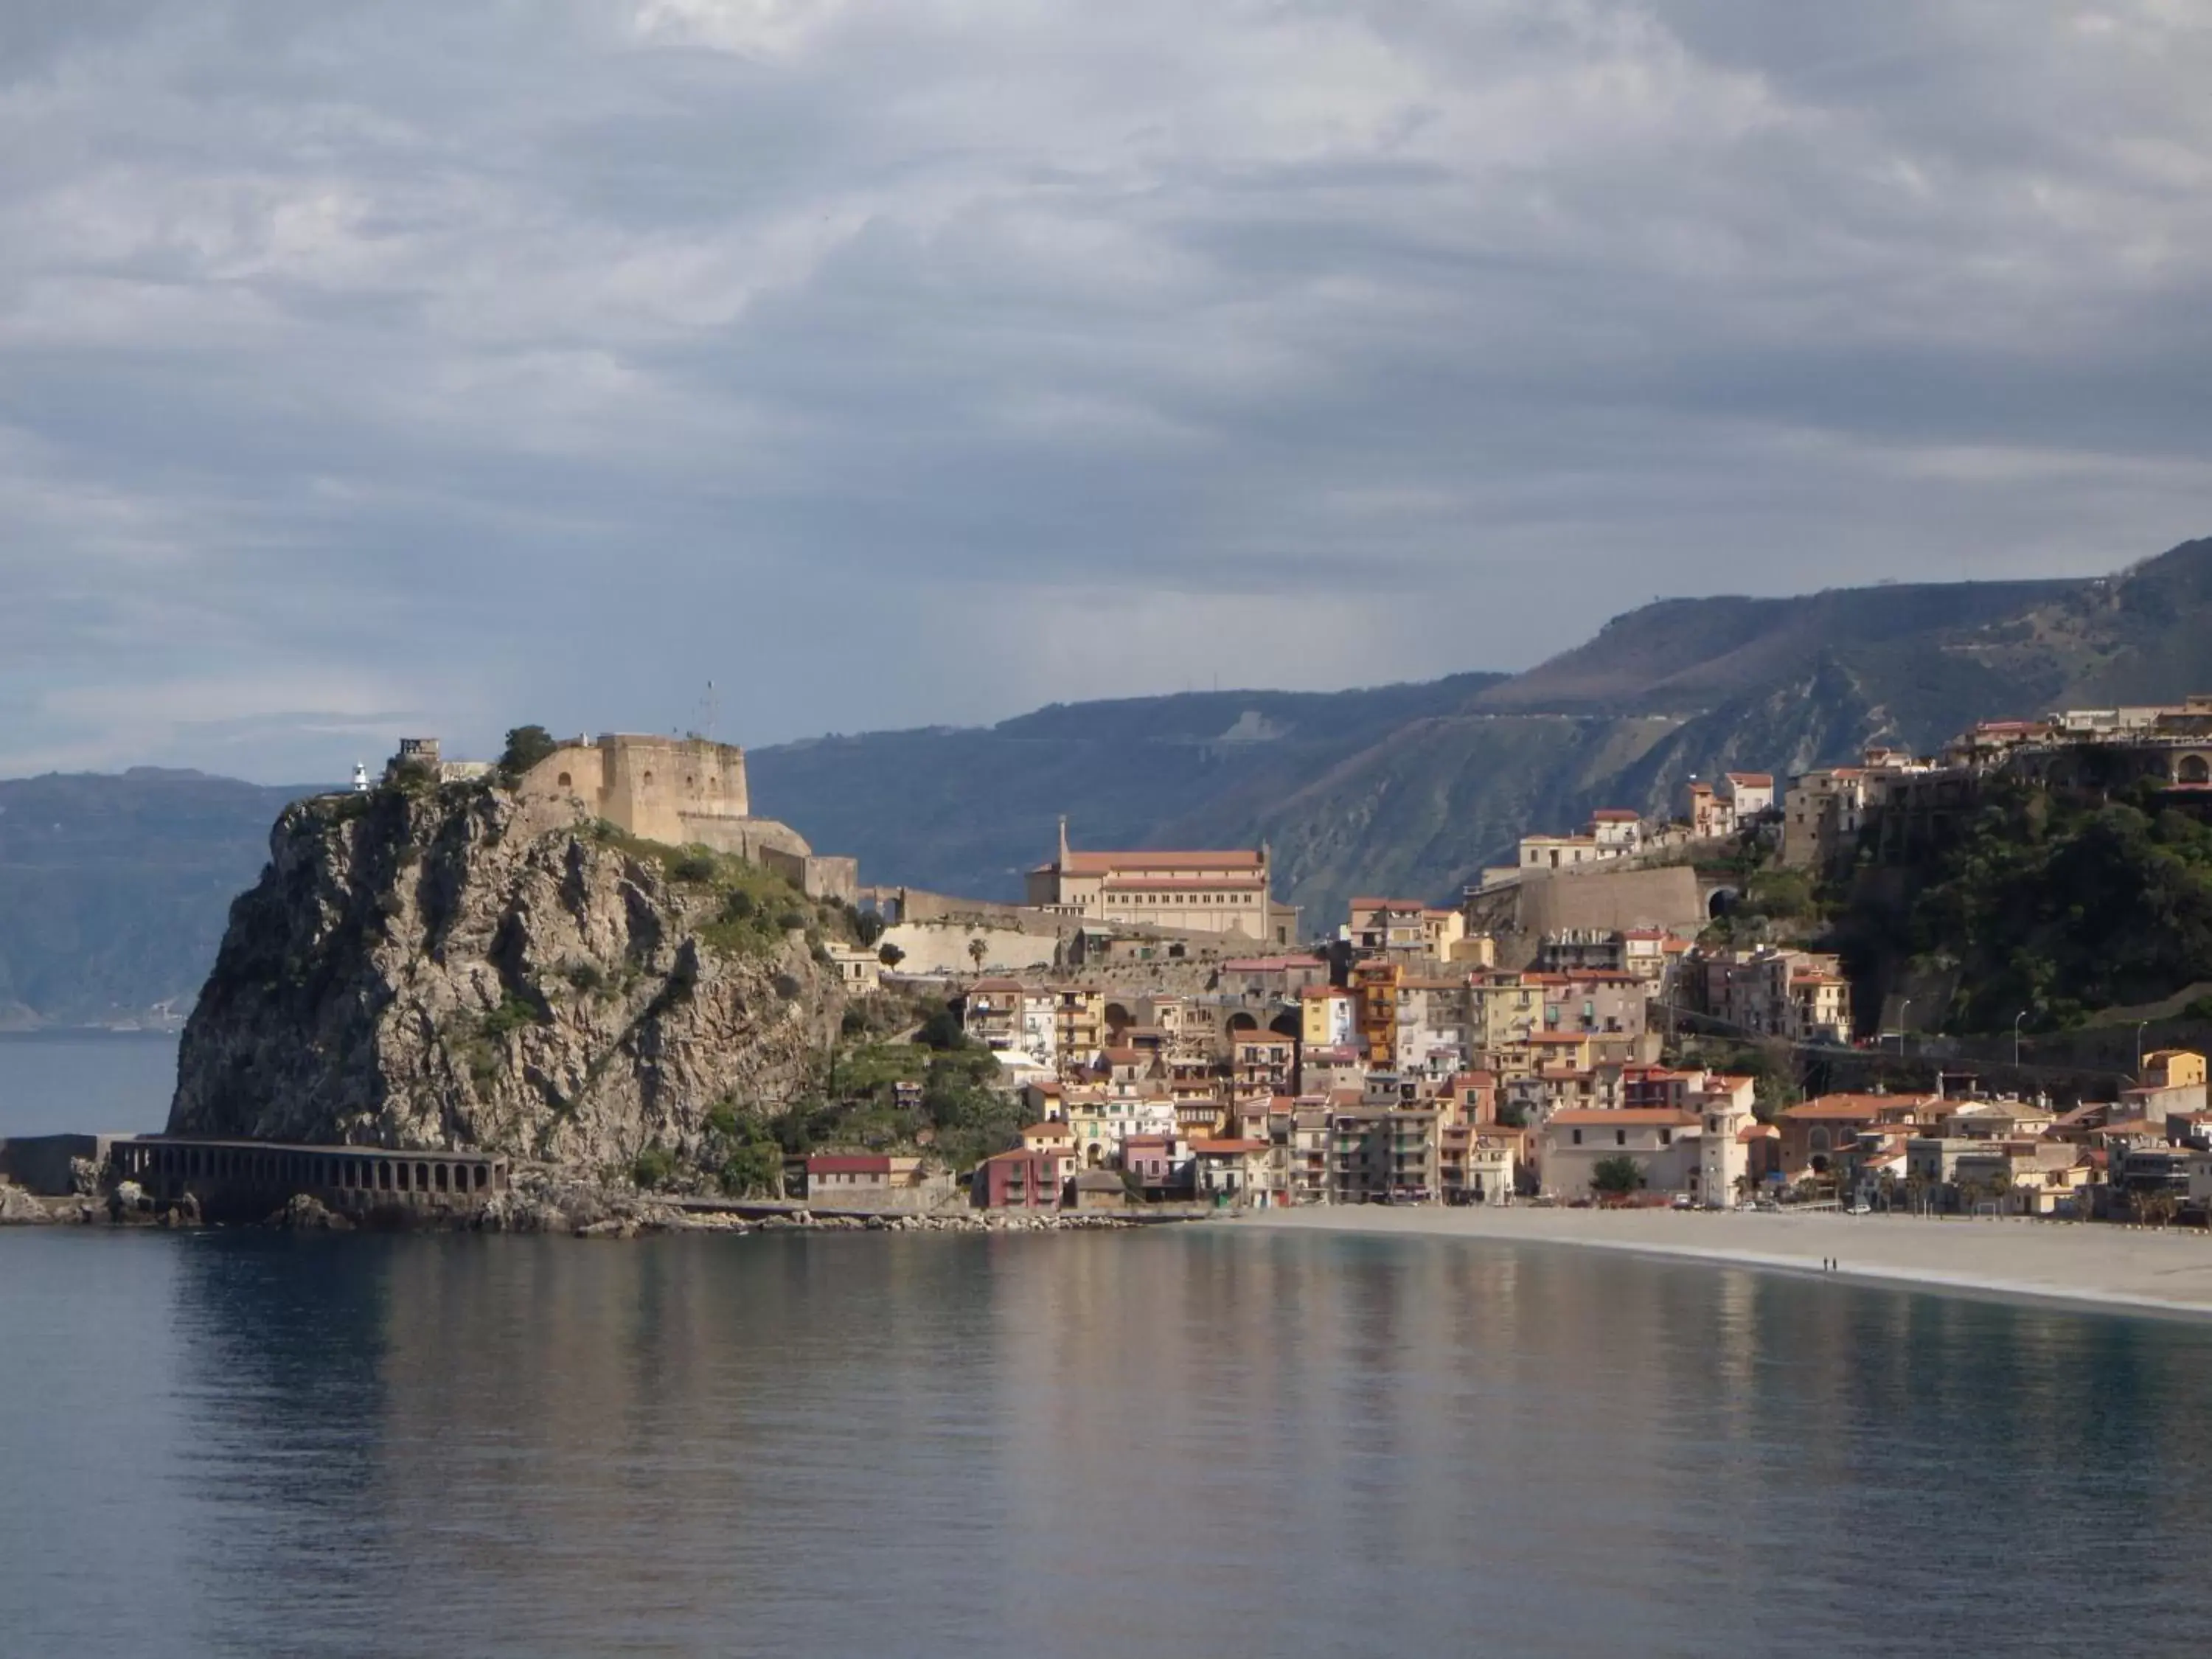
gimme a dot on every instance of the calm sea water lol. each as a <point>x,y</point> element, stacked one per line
<point>1194,1441</point>
<point>82,1082</point>
<point>1190,1442</point>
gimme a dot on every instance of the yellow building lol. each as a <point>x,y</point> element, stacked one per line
<point>2172,1068</point>
<point>1375,986</point>
<point>1326,1016</point>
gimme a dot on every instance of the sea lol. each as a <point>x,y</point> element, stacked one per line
<point>1197,1440</point>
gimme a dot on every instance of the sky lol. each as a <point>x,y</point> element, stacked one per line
<point>440,365</point>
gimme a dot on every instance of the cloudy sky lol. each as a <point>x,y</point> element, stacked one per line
<point>439,364</point>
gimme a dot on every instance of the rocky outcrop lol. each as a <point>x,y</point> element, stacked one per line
<point>19,1209</point>
<point>444,968</point>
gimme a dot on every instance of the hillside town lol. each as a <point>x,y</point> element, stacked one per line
<point>1533,1044</point>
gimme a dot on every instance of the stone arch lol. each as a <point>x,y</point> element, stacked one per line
<point>1720,901</point>
<point>566,782</point>
<point>1287,1025</point>
<point>1243,1024</point>
<point>2192,768</point>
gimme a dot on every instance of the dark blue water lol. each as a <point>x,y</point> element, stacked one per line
<point>85,1082</point>
<point>1194,1441</point>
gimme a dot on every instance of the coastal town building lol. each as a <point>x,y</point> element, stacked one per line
<point>1221,891</point>
<point>1662,1143</point>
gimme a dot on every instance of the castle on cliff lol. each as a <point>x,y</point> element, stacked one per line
<point>683,792</point>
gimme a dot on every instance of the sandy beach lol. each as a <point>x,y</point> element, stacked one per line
<point>2122,1269</point>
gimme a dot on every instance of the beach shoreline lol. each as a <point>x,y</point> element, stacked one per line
<point>2085,1267</point>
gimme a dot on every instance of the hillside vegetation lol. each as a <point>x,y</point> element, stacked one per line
<point>2057,909</point>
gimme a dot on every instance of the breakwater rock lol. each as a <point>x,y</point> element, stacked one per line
<point>451,967</point>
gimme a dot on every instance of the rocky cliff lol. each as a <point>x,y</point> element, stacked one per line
<point>448,966</point>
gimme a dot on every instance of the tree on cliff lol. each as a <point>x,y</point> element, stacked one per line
<point>526,745</point>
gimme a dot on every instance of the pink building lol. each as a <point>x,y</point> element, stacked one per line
<point>1019,1179</point>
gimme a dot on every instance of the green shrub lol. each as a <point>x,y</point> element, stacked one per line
<point>654,1167</point>
<point>526,745</point>
<point>753,1170</point>
<point>941,1030</point>
<point>790,921</point>
<point>1616,1177</point>
<point>584,976</point>
<point>696,866</point>
<point>514,1014</point>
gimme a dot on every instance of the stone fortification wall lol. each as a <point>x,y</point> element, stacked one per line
<point>941,947</point>
<point>682,791</point>
<point>914,904</point>
<point>816,875</point>
<point>1612,901</point>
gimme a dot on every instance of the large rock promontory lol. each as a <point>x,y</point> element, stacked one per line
<point>451,967</point>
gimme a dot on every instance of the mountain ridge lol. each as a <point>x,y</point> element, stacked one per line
<point>1411,787</point>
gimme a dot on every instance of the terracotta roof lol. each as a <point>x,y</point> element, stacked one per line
<point>996,985</point>
<point>1615,815</point>
<point>1226,1148</point>
<point>1849,1107</point>
<point>1101,864</point>
<point>1754,779</point>
<point>1600,1117</point>
<point>1413,906</point>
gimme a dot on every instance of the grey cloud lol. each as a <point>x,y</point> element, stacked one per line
<point>489,362</point>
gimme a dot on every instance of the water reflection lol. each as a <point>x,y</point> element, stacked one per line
<point>1183,1442</point>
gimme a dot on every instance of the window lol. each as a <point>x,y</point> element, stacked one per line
<point>1620,1137</point>
<point>1666,1137</point>
<point>1578,1137</point>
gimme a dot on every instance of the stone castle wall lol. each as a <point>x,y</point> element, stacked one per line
<point>679,790</point>
<point>683,792</point>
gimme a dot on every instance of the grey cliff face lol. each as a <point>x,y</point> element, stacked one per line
<point>447,969</point>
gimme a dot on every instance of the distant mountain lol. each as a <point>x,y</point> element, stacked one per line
<point>1413,789</point>
<point>114,889</point>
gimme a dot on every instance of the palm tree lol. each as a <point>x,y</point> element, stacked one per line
<point>977,951</point>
